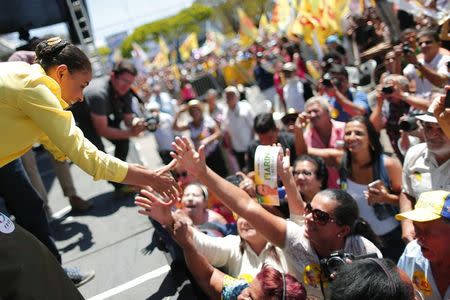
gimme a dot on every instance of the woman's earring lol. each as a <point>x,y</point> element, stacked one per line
<point>339,235</point>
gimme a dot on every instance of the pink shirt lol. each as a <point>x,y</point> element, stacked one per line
<point>312,139</point>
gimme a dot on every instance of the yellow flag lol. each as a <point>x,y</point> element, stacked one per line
<point>189,44</point>
<point>247,29</point>
<point>284,14</point>
<point>162,58</point>
<point>263,26</point>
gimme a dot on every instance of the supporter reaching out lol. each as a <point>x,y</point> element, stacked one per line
<point>331,221</point>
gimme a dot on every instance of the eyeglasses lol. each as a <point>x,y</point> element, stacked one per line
<point>426,43</point>
<point>303,172</point>
<point>320,217</point>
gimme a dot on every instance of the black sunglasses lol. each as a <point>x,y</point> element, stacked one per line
<point>320,217</point>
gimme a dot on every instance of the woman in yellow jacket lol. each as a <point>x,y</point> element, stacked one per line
<point>33,99</point>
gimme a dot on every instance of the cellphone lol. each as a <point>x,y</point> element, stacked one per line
<point>327,82</point>
<point>376,183</point>
<point>447,99</point>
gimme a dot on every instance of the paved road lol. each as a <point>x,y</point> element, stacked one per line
<point>112,238</point>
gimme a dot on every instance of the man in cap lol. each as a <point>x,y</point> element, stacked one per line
<point>425,259</point>
<point>426,167</point>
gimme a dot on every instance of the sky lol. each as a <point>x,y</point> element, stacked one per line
<point>114,16</point>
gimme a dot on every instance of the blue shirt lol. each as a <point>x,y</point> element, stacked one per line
<point>357,97</point>
<point>418,269</point>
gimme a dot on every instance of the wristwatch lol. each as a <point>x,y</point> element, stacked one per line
<point>418,65</point>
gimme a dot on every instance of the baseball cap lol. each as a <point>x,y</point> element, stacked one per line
<point>430,206</point>
<point>332,39</point>
<point>427,117</point>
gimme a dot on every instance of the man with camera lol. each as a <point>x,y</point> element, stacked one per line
<point>429,69</point>
<point>426,167</point>
<point>345,102</point>
<point>108,103</point>
<point>388,114</point>
<point>425,259</point>
<point>323,132</point>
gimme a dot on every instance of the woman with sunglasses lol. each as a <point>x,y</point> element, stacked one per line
<point>329,223</point>
<point>372,178</point>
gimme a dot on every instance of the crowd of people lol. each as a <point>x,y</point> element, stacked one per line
<point>362,175</point>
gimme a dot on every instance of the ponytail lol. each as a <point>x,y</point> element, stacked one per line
<point>362,228</point>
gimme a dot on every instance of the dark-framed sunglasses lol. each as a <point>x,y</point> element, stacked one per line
<point>320,217</point>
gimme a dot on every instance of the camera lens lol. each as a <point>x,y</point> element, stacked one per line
<point>152,123</point>
<point>410,124</point>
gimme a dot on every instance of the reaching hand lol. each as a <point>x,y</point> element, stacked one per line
<point>164,184</point>
<point>181,233</point>
<point>284,163</point>
<point>193,161</point>
<point>154,207</point>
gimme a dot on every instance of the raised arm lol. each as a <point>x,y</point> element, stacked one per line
<point>272,227</point>
<point>331,156</point>
<point>209,278</point>
<point>295,200</point>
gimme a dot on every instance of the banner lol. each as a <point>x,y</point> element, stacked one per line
<point>247,30</point>
<point>189,44</point>
<point>266,179</point>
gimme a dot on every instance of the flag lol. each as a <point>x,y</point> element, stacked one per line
<point>263,26</point>
<point>284,15</point>
<point>140,58</point>
<point>162,58</point>
<point>247,30</point>
<point>189,44</point>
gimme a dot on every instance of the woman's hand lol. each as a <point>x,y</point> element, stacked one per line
<point>376,193</point>
<point>193,161</point>
<point>164,184</point>
<point>284,164</point>
<point>154,207</point>
<point>181,233</point>
<point>247,184</point>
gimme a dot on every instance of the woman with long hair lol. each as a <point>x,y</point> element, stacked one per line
<point>372,178</point>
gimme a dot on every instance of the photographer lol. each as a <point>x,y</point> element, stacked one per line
<point>345,102</point>
<point>108,103</point>
<point>429,69</point>
<point>387,114</point>
<point>330,221</point>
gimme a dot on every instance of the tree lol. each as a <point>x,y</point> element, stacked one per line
<point>171,28</point>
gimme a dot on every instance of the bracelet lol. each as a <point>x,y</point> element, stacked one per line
<point>418,65</point>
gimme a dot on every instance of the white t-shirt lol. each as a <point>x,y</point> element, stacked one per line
<point>418,269</point>
<point>421,172</point>
<point>164,135</point>
<point>239,124</point>
<point>293,94</point>
<point>224,252</point>
<point>424,87</point>
<point>304,263</point>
